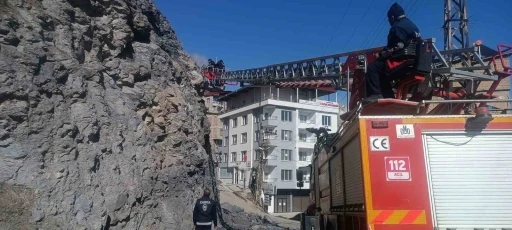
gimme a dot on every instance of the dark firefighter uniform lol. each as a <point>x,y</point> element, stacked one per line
<point>205,213</point>
<point>402,30</point>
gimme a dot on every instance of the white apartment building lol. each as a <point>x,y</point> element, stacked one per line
<point>272,121</point>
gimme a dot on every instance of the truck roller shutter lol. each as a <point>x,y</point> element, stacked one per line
<point>353,172</point>
<point>470,179</point>
<point>337,198</point>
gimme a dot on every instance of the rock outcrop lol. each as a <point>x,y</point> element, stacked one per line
<point>236,218</point>
<point>100,124</point>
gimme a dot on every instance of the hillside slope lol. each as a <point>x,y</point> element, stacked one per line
<point>100,124</point>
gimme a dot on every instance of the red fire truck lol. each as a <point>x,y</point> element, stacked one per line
<point>437,160</point>
<point>406,172</point>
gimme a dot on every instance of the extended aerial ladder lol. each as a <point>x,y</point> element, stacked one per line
<point>427,73</point>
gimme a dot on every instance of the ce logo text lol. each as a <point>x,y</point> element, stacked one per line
<point>379,143</point>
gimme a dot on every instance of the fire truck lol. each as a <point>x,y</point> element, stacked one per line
<point>433,157</point>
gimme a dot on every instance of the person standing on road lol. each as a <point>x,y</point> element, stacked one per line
<point>205,212</point>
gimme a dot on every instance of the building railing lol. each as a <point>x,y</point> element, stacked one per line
<point>307,121</point>
<point>307,140</point>
<point>269,180</point>
<point>269,118</point>
<point>270,137</point>
<point>315,102</point>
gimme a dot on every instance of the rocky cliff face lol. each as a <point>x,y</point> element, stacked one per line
<point>100,124</point>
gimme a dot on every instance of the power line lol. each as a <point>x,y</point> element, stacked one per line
<point>375,28</point>
<point>338,27</point>
<point>359,24</point>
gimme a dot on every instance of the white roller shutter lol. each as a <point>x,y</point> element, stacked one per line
<point>353,172</point>
<point>470,179</point>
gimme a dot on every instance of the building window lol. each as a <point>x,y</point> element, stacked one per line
<point>244,138</point>
<point>233,157</point>
<point>234,122</point>
<point>233,139</point>
<point>303,118</point>
<point>286,154</point>
<point>257,155</point>
<point>244,120</point>
<point>226,126</point>
<point>306,176</point>
<point>286,115</point>
<point>257,136</point>
<point>303,156</point>
<point>256,117</point>
<point>244,156</point>
<point>217,142</point>
<point>326,120</point>
<point>226,173</point>
<point>286,135</point>
<point>226,157</point>
<point>303,137</point>
<point>226,140</point>
<point>286,175</point>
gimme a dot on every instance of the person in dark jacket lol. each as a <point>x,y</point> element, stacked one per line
<point>205,212</point>
<point>402,31</point>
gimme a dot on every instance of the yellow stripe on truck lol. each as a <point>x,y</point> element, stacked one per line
<point>397,217</point>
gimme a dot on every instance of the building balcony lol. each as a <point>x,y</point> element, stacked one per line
<point>269,180</point>
<point>241,164</point>
<point>268,188</point>
<point>270,160</point>
<point>309,122</point>
<point>314,105</point>
<point>269,141</point>
<point>307,140</point>
<point>270,122</point>
<point>222,164</point>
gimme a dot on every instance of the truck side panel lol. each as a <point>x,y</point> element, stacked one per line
<point>469,172</point>
<point>394,200</point>
<point>397,191</point>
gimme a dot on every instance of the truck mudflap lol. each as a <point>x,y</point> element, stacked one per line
<point>404,178</point>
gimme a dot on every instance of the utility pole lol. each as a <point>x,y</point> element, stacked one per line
<point>456,36</point>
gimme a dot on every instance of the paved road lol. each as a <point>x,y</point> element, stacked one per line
<point>228,195</point>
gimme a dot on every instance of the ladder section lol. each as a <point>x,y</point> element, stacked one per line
<point>321,68</point>
<point>465,70</point>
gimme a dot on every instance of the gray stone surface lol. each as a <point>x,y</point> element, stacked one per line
<point>99,119</point>
<point>236,218</point>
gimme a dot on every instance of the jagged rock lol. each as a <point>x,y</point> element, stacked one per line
<point>100,121</point>
<point>236,218</point>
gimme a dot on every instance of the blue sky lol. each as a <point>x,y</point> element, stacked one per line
<point>249,33</point>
